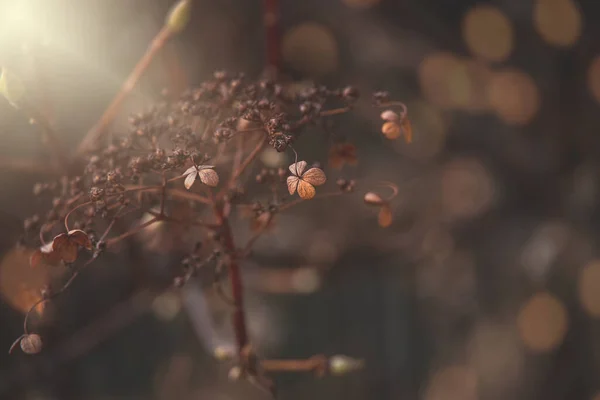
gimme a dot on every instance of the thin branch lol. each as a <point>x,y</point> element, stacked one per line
<point>317,364</point>
<point>112,241</point>
<point>159,41</point>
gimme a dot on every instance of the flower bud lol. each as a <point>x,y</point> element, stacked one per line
<point>389,115</point>
<point>342,365</point>
<point>31,343</point>
<point>179,16</point>
<point>373,199</point>
<point>391,130</point>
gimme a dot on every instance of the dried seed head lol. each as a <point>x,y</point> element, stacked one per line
<point>373,199</point>
<point>179,16</point>
<point>31,343</point>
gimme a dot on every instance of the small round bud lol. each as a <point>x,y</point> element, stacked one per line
<point>179,16</point>
<point>342,365</point>
<point>31,343</point>
<point>235,373</point>
<point>373,199</point>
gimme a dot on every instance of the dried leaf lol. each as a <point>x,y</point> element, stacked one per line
<point>209,177</point>
<point>80,238</point>
<point>306,191</point>
<point>391,130</point>
<point>298,168</point>
<point>292,184</point>
<point>314,176</point>
<point>190,179</point>
<point>385,216</point>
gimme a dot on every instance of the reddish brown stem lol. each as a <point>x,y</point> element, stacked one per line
<point>235,278</point>
<point>317,364</point>
<point>111,112</point>
<point>272,35</point>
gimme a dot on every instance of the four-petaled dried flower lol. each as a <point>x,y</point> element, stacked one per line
<point>396,126</point>
<point>342,153</point>
<point>31,343</point>
<point>207,175</point>
<point>63,247</point>
<point>384,218</point>
<point>304,181</point>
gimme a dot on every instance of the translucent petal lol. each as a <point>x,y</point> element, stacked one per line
<point>407,130</point>
<point>189,170</point>
<point>298,168</point>
<point>292,184</point>
<point>190,179</point>
<point>385,216</point>
<point>314,176</point>
<point>305,190</point>
<point>209,177</point>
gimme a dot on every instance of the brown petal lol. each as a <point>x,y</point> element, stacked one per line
<point>314,176</point>
<point>44,255</point>
<point>385,216</point>
<point>298,168</point>
<point>68,252</point>
<point>306,191</point>
<point>60,241</point>
<point>407,130</point>
<point>292,184</point>
<point>190,179</point>
<point>37,257</point>
<point>189,170</point>
<point>391,130</point>
<point>373,199</point>
<point>80,238</point>
<point>209,177</point>
<point>389,115</point>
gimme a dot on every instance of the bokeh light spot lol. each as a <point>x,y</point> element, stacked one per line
<point>311,49</point>
<point>452,383</point>
<point>514,97</point>
<point>589,288</point>
<point>558,22</point>
<point>488,33</point>
<point>542,322</point>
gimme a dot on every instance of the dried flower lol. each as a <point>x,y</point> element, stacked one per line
<point>385,216</point>
<point>63,247</point>
<point>304,181</point>
<point>31,343</point>
<point>207,175</point>
<point>396,126</point>
<point>342,153</point>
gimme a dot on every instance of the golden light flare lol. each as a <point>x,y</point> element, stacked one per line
<point>542,322</point>
<point>452,82</point>
<point>514,96</point>
<point>559,22</point>
<point>488,33</point>
<point>589,288</point>
<point>593,78</point>
<point>455,382</point>
<point>311,49</point>
<point>21,285</point>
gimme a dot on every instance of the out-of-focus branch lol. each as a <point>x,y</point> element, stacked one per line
<point>272,35</point>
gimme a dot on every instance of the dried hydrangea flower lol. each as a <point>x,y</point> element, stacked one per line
<point>207,175</point>
<point>385,216</point>
<point>63,247</point>
<point>304,181</point>
<point>396,126</point>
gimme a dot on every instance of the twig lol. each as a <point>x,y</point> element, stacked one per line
<point>161,38</point>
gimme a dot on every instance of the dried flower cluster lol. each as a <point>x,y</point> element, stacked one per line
<point>186,162</point>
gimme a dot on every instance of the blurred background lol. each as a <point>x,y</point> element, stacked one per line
<point>486,285</point>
